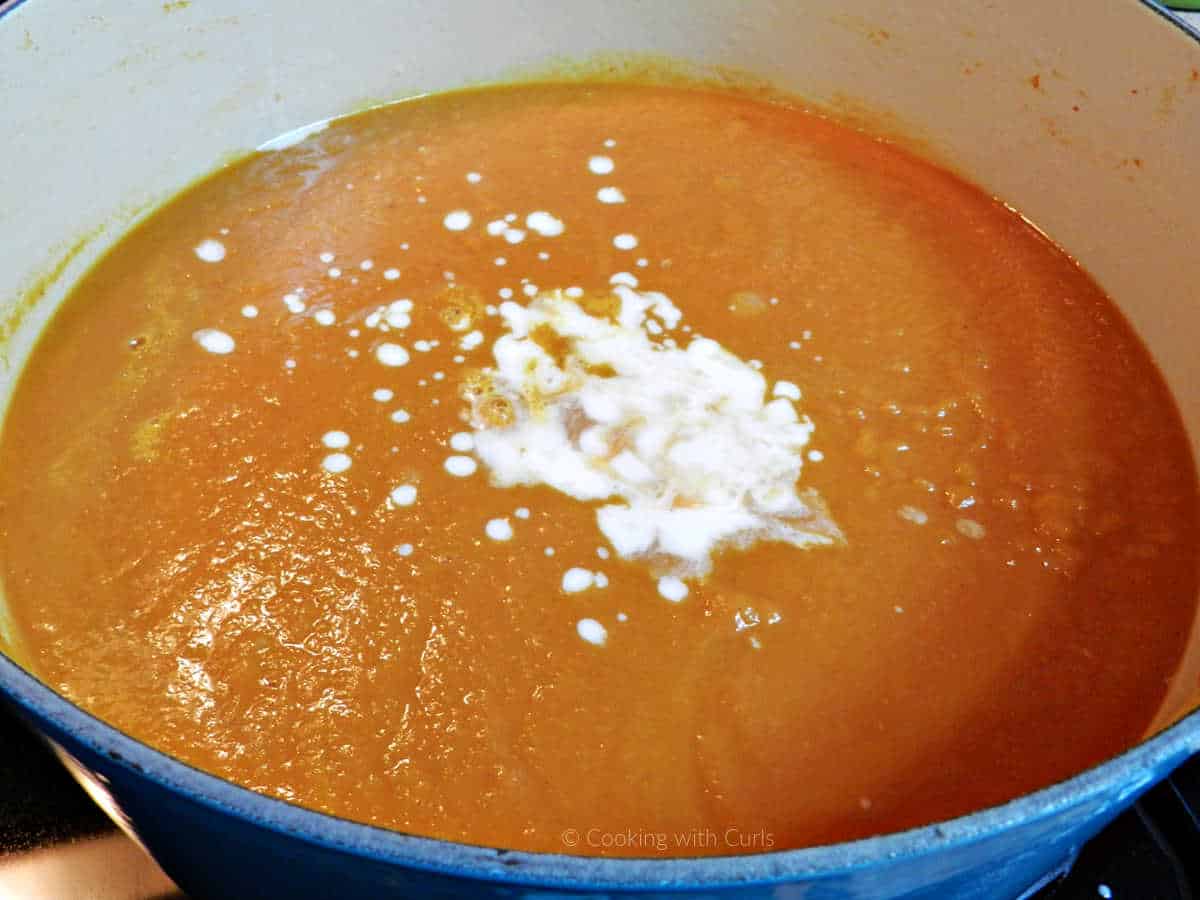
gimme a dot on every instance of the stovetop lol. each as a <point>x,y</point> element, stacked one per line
<point>1152,852</point>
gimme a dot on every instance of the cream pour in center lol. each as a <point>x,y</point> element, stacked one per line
<point>684,445</point>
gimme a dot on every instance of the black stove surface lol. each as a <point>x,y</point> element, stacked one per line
<point>1152,852</point>
<point>40,804</point>
<point>54,843</point>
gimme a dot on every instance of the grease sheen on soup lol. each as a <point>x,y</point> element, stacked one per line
<point>248,518</point>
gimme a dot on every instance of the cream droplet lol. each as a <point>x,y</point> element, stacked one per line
<point>544,224</point>
<point>499,529</point>
<point>672,588</point>
<point>404,495</point>
<point>460,466</point>
<point>391,354</point>
<point>576,579</point>
<point>458,220</point>
<point>600,165</point>
<point>211,251</point>
<point>592,631</point>
<point>336,462</point>
<point>336,440</point>
<point>214,341</point>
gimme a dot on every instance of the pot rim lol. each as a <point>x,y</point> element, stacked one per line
<point>1131,770</point>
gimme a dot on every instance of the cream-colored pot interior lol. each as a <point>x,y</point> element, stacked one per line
<point>1084,116</point>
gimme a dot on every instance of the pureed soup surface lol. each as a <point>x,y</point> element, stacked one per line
<point>601,469</point>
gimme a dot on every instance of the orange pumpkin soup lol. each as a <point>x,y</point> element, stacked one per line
<point>659,468</point>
